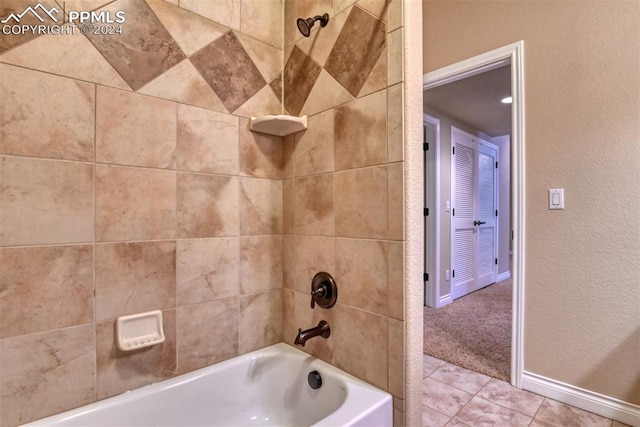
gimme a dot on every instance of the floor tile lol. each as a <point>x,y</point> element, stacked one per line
<point>430,365</point>
<point>443,398</point>
<point>504,394</point>
<point>460,378</point>
<point>433,418</point>
<point>557,414</point>
<point>480,412</point>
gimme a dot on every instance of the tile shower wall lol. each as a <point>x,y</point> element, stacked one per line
<point>343,185</point>
<point>129,182</point>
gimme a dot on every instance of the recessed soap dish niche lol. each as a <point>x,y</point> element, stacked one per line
<point>140,330</point>
<point>280,125</point>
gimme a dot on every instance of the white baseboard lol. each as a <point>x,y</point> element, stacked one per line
<point>503,276</point>
<point>605,406</point>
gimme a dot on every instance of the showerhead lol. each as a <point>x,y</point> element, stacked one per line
<point>305,25</point>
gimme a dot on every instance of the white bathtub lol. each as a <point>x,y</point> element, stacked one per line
<point>268,387</point>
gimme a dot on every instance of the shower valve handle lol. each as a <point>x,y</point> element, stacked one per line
<point>320,292</point>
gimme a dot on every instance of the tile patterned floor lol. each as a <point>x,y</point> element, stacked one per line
<point>457,397</point>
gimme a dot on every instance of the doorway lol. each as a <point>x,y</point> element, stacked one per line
<point>508,55</point>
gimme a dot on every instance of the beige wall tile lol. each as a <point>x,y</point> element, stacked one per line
<point>289,145</point>
<point>266,55</point>
<point>214,62</point>
<point>70,56</point>
<point>305,318</point>
<point>360,346</point>
<point>144,50</point>
<point>313,205</point>
<point>362,271</point>
<point>18,6</point>
<point>289,328</point>
<point>396,280</point>
<point>45,202</point>
<point>45,116</point>
<point>396,358</point>
<point>260,206</point>
<point>326,93</point>
<point>207,205</point>
<point>207,269</point>
<point>45,288</point>
<point>353,147</point>
<point>46,373</point>
<point>260,320</point>
<point>288,261</point>
<point>119,371</point>
<point>288,205</point>
<point>377,79</point>
<point>134,277</point>
<point>260,263</point>
<point>396,201</point>
<point>395,57</point>
<point>262,19</point>
<point>135,130</point>
<point>207,141</point>
<point>191,31</point>
<point>312,255</point>
<point>134,204</point>
<point>225,12</point>
<point>377,8</point>
<point>357,49</point>
<point>314,147</point>
<point>207,333</point>
<point>261,155</point>
<point>265,102</point>
<point>183,83</point>
<point>394,15</point>
<point>361,203</point>
<point>395,124</point>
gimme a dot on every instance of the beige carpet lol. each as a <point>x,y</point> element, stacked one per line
<point>474,331</point>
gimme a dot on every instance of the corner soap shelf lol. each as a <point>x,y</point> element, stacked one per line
<point>139,330</point>
<point>280,125</point>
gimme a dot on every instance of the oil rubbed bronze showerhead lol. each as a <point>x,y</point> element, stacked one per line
<point>305,25</point>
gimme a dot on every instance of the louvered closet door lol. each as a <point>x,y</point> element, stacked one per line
<point>473,221</point>
<point>486,215</point>
<point>463,201</point>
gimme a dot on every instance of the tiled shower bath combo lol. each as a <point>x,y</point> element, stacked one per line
<point>130,181</point>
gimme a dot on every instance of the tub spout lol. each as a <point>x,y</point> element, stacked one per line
<point>322,330</point>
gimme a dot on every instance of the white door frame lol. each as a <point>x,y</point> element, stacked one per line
<point>432,231</point>
<point>511,54</point>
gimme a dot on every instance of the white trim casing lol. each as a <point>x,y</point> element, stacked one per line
<point>511,54</point>
<point>433,228</point>
<point>503,276</point>
<point>584,399</point>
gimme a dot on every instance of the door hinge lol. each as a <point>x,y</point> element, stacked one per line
<point>454,150</point>
<point>453,273</point>
<point>425,277</point>
<point>453,212</point>
<point>496,165</point>
<point>496,212</point>
<point>496,261</point>
<point>426,211</point>
<point>425,146</point>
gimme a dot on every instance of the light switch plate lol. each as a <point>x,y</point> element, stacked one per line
<point>556,198</point>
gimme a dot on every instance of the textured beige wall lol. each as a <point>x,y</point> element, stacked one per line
<point>582,129</point>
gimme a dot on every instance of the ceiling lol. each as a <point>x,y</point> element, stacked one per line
<point>475,101</point>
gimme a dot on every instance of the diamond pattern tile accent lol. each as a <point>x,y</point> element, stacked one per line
<point>9,8</point>
<point>357,50</point>
<point>228,69</point>
<point>144,50</point>
<point>300,74</point>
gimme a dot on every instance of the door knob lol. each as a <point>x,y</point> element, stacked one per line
<point>479,222</point>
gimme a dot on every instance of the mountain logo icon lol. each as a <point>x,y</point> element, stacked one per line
<point>34,11</point>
